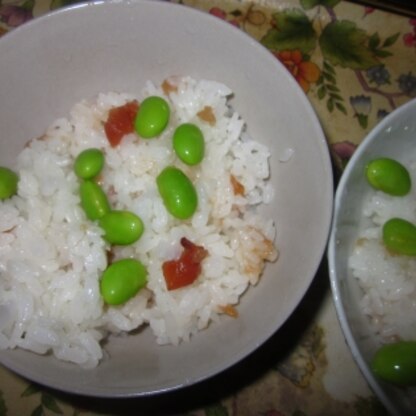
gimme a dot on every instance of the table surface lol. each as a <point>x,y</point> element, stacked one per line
<point>306,368</point>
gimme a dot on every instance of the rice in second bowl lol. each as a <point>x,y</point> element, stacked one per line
<point>386,279</point>
<point>52,256</point>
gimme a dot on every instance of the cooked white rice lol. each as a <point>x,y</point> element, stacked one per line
<point>52,256</point>
<point>388,281</point>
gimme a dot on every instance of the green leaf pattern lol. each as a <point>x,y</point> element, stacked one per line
<point>293,30</point>
<point>37,411</point>
<point>48,402</point>
<point>310,4</point>
<point>216,410</point>
<point>3,408</point>
<point>342,43</point>
<point>31,390</point>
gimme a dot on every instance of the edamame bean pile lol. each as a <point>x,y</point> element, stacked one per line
<point>384,262</point>
<point>136,209</point>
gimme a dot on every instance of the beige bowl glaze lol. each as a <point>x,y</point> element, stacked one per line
<point>51,63</point>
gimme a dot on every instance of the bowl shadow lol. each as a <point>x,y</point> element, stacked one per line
<point>211,391</point>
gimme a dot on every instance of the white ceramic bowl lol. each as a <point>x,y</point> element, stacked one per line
<point>393,137</point>
<point>51,63</point>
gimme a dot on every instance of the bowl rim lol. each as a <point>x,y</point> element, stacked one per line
<point>332,243</point>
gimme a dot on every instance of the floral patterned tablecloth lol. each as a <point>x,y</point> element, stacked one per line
<point>356,64</point>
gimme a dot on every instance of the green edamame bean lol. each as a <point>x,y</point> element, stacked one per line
<point>121,227</point>
<point>178,193</point>
<point>89,163</point>
<point>93,200</point>
<point>152,117</point>
<point>389,176</point>
<point>396,363</point>
<point>399,236</point>
<point>8,183</point>
<point>188,143</point>
<point>122,280</point>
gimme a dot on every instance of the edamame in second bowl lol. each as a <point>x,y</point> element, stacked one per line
<point>372,258</point>
<point>155,200</point>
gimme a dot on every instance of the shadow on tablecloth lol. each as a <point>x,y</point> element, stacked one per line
<point>211,392</point>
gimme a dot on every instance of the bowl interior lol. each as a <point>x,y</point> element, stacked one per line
<point>393,137</point>
<point>53,62</point>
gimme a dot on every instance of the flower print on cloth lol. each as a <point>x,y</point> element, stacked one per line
<point>362,107</point>
<point>339,44</point>
<point>409,38</point>
<point>304,71</point>
<point>407,84</point>
<point>240,17</point>
<point>15,14</point>
<point>378,75</point>
<point>343,151</point>
<point>291,39</point>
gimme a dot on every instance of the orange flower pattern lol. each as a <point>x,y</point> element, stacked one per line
<point>304,71</point>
